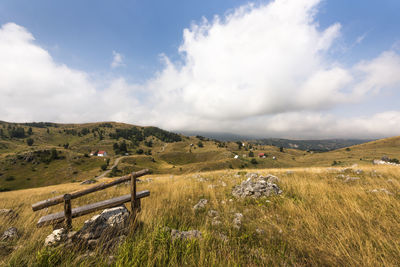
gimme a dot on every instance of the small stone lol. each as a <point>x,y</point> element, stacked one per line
<point>351,179</point>
<point>9,234</point>
<point>92,243</point>
<point>215,222</point>
<point>260,231</point>
<point>382,190</point>
<point>213,213</point>
<point>8,213</point>
<point>201,204</point>
<point>185,235</point>
<point>223,237</point>
<point>237,220</point>
<point>88,182</point>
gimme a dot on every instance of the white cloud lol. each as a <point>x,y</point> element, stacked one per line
<point>264,70</point>
<point>117,60</point>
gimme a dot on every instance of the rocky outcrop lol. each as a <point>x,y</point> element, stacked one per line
<point>56,237</point>
<point>256,186</point>
<point>108,229</point>
<point>109,222</point>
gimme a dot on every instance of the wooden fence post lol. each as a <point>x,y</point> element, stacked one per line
<point>133,197</point>
<point>68,211</point>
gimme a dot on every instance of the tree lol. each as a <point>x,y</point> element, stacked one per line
<point>66,145</point>
<point>53,154</point>
<point>149,143</point>
<point>200,144</point>
<point>29,141</point>
<point>239,144</point>
<point>251,154</point>
<point>123,148</point>
<point>253,161</point>
<point>139,151</point>
<point>281,149</point>
<point>103,167</point>
<point>30,132</point>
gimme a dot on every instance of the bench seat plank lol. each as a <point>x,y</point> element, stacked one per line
<point>79,211</point>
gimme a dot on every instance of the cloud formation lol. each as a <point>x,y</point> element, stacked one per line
<point>117,60</point>
<point>261,70</point>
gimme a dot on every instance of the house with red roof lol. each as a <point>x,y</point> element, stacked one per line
<point>102,153</point>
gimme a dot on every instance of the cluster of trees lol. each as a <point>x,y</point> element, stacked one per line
<point>163,135</point>
<point>16,132</point>
<point>40,124</point>
<point>121,148</point>
<point>133,134</point>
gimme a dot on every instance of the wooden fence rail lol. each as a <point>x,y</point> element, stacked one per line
<point>69,213</point>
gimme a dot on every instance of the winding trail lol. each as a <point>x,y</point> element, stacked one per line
<point>114,165</point>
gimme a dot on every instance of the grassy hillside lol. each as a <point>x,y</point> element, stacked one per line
<point>60,153</point>
<point>319,220</point>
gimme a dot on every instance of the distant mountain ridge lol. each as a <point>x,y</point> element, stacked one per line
<point>312,145</point>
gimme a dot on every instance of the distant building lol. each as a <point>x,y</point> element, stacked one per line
<point>93,153</point>
<point>102,153</point>
<point>261,155</point>
<point>236,156</point>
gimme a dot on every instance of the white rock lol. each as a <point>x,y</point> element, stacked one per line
<point>56,237</point>
<point>201,204</point>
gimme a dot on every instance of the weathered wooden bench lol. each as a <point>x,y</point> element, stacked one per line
<point>68,214</point>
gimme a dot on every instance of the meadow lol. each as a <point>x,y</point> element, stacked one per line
<point>319,219</point>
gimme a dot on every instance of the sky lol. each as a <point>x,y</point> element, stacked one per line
<point>301,69</point>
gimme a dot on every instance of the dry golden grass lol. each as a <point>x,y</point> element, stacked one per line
<point>318,220</point>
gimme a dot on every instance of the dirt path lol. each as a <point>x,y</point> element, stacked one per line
<point>114,165</point>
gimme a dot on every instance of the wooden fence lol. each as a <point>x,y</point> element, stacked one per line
<point>69,213</point>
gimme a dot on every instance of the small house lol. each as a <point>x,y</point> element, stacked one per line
<point>261,155</point>
<point>236,156</point>
<point>102,153</point>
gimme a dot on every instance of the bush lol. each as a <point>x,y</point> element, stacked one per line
<point>104,167</point>
<point>29,141</point>
<point>253,161</point>
<point>200,144</point>
<point>139,151</point>
<point>251,154</point>
<point>10,178</point>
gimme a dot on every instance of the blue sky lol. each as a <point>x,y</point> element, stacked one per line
<point>84,36</point>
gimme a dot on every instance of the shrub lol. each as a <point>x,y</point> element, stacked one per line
<point>200,144</point>
<point>104,167</point>
<point>10,178</point>
<point>29,141</point>
<point>251,154</point>
<point>253,161</point>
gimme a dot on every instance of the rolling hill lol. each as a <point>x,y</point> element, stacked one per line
<point>61,153</point>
